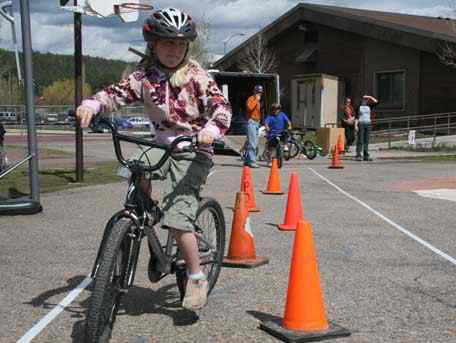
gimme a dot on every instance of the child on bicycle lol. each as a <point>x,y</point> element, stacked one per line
<point>180,98</point>
<point>276,125</point>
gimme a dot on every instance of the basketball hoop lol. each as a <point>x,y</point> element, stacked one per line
<point>136,7</point>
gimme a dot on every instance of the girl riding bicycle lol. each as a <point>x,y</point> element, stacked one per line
<point>180,99</point>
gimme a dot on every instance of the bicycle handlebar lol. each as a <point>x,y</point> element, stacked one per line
<point>118,137</point>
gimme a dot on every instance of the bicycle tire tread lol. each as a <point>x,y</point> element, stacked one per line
<point>102,280</point>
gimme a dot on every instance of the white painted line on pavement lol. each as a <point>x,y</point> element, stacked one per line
<point>34,331</point>
<point>389,221</point>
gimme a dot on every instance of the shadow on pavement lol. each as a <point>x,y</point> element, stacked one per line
<point>139,301</point>
<point>264,317</point>
<point>42,299</point>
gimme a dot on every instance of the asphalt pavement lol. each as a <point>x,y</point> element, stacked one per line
<point>385,255</point>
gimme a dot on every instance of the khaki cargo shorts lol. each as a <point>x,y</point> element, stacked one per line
<point>183,173</point>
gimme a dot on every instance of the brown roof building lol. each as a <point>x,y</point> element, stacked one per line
<point>389,55</point>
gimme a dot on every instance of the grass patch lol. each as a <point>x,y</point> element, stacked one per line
<point>16,184</point>
<point>20,150</point>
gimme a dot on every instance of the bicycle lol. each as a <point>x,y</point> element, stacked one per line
<point>277,147</point>
<point>243,150</point>
<point>296,146</point>
<point>115,265</point>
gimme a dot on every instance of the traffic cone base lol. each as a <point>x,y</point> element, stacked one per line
<point>285,227</point>
<point>273,193</point>
<point>275,329</point>
<point>247,263</point>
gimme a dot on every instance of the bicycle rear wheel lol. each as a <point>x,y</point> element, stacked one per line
<point>210,230</point>
<point>117,264</point>
<point>310,150</point>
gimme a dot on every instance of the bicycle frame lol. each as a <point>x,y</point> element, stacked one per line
<point>134,207</point>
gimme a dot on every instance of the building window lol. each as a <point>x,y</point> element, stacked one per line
<point>390,89</point>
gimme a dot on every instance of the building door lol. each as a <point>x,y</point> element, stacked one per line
<point>305,109</point>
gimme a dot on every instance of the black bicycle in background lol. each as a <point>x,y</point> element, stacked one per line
<point>118,254</point>
<point>296,144</point>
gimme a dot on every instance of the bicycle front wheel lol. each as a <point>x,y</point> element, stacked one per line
<point>310,150</point>
<point>292,151</point>
<point>210,234</point>
<point>113,273</point>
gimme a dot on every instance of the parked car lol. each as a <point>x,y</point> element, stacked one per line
<point>139,122</point>
<point>122,123</point>
<point>8,117</point>
<point>99,128</point>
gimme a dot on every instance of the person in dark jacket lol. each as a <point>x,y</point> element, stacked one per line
<point>348,123</point>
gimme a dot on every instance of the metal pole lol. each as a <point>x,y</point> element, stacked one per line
<point>29,93</point>
<point>78,92</point>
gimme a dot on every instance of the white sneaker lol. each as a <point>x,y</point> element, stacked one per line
<point>195,294</point>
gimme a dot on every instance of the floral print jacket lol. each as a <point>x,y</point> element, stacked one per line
<point>194,104</point>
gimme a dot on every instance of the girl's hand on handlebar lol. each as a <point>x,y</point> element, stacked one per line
<point>205,137</point>
<point>84,114</point>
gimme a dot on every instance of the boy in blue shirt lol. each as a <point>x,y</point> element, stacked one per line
<point>276,125</point>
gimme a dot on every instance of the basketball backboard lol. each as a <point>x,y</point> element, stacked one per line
<point>126,10</point>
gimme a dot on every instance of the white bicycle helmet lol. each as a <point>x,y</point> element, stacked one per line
<point>169,23</point>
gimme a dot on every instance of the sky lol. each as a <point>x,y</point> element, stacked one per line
<point>52,27</point>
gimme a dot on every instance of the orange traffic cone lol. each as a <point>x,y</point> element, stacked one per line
<point>247,187</point>
<point>340,144</point>
<point>241,252</point>
<point>274,180</point>
<point>294,207</point>
<point>305,318</point>
<point>335,162</point>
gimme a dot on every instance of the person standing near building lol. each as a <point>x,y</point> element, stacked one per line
<point>254,110</point>
<point>363,126</point>
<point>348,123</point>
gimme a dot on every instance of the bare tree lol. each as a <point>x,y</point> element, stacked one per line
<point>446,51</point>
<point>258,58</point>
